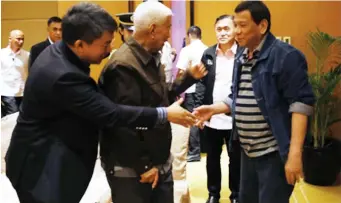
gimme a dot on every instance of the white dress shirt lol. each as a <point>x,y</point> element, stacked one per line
<point>222,86</point>
<point>14,68</point>
<point>191,55</point>
<point>167,60</point>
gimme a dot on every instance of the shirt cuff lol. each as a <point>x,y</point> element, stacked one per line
<point>299,107</point>
<point>161,115</point>
<point>228,101</point>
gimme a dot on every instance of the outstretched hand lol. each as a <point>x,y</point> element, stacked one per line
<point>198,71</point>
<point>203,113</point>
<point>177,114</point>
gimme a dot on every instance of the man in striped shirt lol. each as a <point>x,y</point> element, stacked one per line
<point>270,103</point>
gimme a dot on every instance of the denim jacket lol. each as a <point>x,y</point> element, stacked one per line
<point>281,87</point>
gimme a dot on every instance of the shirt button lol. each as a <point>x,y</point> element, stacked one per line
<point>111,172</point>
<point>146,167</point>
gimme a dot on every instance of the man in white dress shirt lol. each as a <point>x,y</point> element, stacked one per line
<point>14,62</point>
<point>191,55</point>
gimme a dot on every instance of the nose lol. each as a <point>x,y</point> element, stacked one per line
<point>237,30</point>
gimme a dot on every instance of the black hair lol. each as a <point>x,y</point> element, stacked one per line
<point>54,19</point>
<point>259,11</point>
<point>194,30</point>
<point>86,21</point>
<point>223,17</point>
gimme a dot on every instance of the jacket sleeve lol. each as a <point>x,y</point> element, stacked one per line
<point>294,84</point>
<point>77,93</point>
<point>200,88</point>
<point>180,85</point>
<point>33,55</point>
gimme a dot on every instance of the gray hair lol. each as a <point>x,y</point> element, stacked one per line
<point>148,13</point>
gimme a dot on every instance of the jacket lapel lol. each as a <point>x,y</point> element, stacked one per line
<point>210,61</point>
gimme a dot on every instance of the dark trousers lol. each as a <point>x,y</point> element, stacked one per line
<point>215,140</point>
<point>130,190</point>
<point>9,105</point>
<point>263,180</point>
<point>194,136</point>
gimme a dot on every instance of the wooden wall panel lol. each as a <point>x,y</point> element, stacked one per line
<point>28,16</point>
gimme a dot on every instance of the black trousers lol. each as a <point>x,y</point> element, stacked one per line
<point>263,180</point>
<point>130,190</point>
<point>194,136</point>
<point>9,105</point>
<point>215,140</point>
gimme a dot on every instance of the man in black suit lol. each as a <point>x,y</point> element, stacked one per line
<point>54,145</point>
<point>219,61</point>
<point>54,29</point>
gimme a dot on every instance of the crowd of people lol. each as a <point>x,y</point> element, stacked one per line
<point>249,91</point>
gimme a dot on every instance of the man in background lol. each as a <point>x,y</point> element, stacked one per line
<point>219,61</point>
<point>125,27</point>
<point>54,30</point>
<point>14,62</point>
<point>189,56</point>
<point>168,56</point>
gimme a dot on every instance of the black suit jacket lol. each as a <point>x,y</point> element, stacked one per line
<point>36,50</point>
<point>204,88</point>
<point>54,144</point>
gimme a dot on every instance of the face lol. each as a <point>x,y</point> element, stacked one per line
<point>125,34</point>
<point>248,33</point>
<point>95,52</point>
<point>16,40</point>
<point>160,34</point>
<point>224,30</point>
<point>55,31</point>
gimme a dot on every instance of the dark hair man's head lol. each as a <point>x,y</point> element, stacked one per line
<point>54,28</point>
<point>224,29</point>
<point>88,29</point>
<point>253,21</point>
<point>194,32</point>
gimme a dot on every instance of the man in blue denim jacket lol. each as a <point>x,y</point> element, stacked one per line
<point>270,103</point>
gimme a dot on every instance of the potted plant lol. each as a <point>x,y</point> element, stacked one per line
<point>322,155</point>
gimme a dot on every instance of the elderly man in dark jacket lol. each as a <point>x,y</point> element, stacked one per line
<point>135,76</point>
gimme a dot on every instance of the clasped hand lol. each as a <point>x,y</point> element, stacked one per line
<point>178,115</point>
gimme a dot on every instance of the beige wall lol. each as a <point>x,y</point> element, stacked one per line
<point>31,17</point>
<point>28,17</point>
<point>288,18</point>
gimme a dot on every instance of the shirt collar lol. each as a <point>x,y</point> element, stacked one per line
<point>256,52</point>
<point>73,58</point>
<point>140,52</point>
<point>195,41</point>
<point>233,49</point>
<point>51,42</point>
<point>10,51</point>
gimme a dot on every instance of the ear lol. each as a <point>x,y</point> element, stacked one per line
<point>263,26</point>
<point>151,29</point>
<point>79,45</point>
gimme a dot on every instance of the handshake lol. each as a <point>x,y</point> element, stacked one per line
<point>176,114</point>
